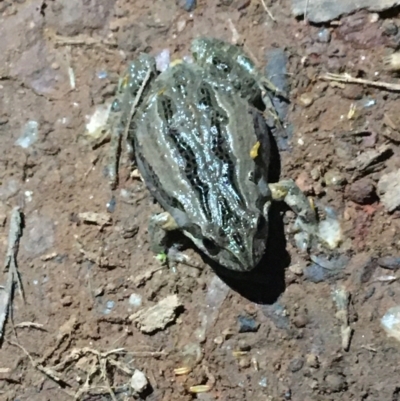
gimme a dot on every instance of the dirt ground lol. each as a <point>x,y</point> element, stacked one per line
<point>274,334</point>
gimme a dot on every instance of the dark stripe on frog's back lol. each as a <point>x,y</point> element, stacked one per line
<point>193,130</point>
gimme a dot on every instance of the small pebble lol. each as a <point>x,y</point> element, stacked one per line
<point>297,269</point>
<point>102,74</point>
<point>334,178</point>
<point>188,5</point>
<point>29,136</point>
<point>139,381</point>
<point>300,321</point>
<point>263,382</point>
<point>111,205</point>
<point>315,173</point>
<point>324,36</point>
<point>389,190</point>
<point>317,274</point>
<point>296,364</point>
<point>389,262</point>
<point>335,383</point>
<point>362,191</point>
<point>66,301</point>
<point>98,292</point>
<point>244,362</point>
<point>312,361</point>
<point>247,324</point>
<point>389,28</point>
<point>368,102</point>
<point>135,300</point>
<point>353,92</point>
<point>109,306</point>
<point>243,345</point>
<point>306,99</point>
<point>181,25</point>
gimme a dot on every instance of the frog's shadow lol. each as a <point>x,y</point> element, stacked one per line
<point>266,282</point>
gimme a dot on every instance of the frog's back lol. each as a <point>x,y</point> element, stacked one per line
<point>193,142</point>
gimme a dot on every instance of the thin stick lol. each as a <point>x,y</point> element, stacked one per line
<point>348,79</point>
<point>10,263</point>
<point>116,138</point>
<point>267,10</point>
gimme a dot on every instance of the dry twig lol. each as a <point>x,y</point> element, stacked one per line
<point>348,79</point>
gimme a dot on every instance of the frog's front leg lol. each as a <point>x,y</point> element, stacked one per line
<point>160,226</point>
<point>306,222</point>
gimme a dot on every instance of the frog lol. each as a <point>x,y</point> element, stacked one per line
<point>202,145</point>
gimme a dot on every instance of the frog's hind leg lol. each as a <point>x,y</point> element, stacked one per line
<point>306,221</point>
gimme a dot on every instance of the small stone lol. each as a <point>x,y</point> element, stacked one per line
<point>181,25</point>
<point>306,99</point>
<point>297,268</point>
<point>370,157</point>
<point>389,28</point>
<point>373,17</point>
<point>187,5</point>
<point>157,317</point>
<point>244,362</point>
<point>389,190</point>
<point>334,178</point>
<point>296,364</point>
<point>219,340</point>
<point>243,345</point>
<point>135,300</point>
<point>304,182</point>
<point>324,36</point>
<point>335,383</point>
<point>247,324</point>
<point>312,361</point>
<point>66,301</point>
<point>263,382</point>
<point>389,262</point>
<point>315,173</point>
<point>300,321</point>
<point>98,292</point>
<point>353,92</point>
<point>362,191</point>
<point>139,381</point>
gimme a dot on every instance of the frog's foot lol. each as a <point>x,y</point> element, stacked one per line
<point>269,86</point>
<point>306,223</point>
<point>270,109</point>
<point>159,226</point>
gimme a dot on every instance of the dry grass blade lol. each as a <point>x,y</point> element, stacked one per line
<point>267,10</point>
<point>116,138</point>
<point>10,264</point>
<point>348,79</point>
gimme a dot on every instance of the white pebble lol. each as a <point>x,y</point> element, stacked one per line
<point>139,381</point>
<point>135,300</point>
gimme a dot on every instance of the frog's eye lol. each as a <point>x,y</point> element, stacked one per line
<point>211,248</point>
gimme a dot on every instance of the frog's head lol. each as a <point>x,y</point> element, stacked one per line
<point>237,245</point>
